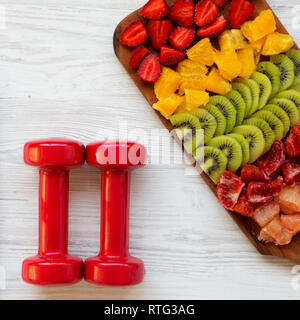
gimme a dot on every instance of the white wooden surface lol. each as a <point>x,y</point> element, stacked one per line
<point>59,77</point>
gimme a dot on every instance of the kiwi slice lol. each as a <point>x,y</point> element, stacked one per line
<point>274,122</point>
<point>208,123</point>
<point>255,138</point>
<point>188,130</point>
<point>212,161</point>
<point>266,130</point>
<point>287,70</point>
<point>218,115</point>
<point>294,55</point>
<point>246,94</point>
<point>282,115</point>
<point>244,145</point>
<point>228,110</point>
<point>289,107</point>
<point>292,95</point>
<point>272,72</point>
<point>265,88</point>
<point>296,87</point>
<point>239,104</point>
<point>255,92</point>
<point>232,150</point>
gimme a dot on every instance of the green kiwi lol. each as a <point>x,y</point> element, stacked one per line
<point>218,115</point>
<point>228,110</point>
<point>267,132</point>
<point>255,90</point>
<point>272,72</point>
<point>274,122</point>
<point>208,123</point>
<point>281,114</point>
<point>246,94</point>
<point>239,104</point>
<point>294,55</point>
<point>188,130</point>
<point>232,150</point>
<point>289,107</point>
<point>255,138</point>
<point>296,87</point>
<point>287,70</point>
<point>244,144</point>
<point>265,87</point>
<point>212,161</point>
<point>292,95</point>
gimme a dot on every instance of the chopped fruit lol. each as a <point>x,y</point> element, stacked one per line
<point>291,222</point>
<point>273,160</point>
<point>182,37</point>
<point>251,173</point>
<point>195,83</point>
<point>229,189</point>
<point>232,40</point>
<point>239,12</point>
<point>228,64</point>
<point>276,186</point>
<point>277,43</point>
<point>289,199</point>
<point>219,3</point>
<point>159,31</point>
<point>213,29</point>
<point>293,142</point>
<point>182,108</point>
<point>195,99</point>
<point>206,12</point>
<point>182,12</point>
<point>291,170</point>
<point>168,106</point>
<point>243,206</point>
<point>150,69</point>
<point>202,52</point>
<point>134,35</point>
<point>191,68</point>
<point>258,45</point>
<point>216,84</point>
<point>167,84</point>
<point>137,56</point>
<point>155,9</point>
<point>265,213</point>
<point>247,60</point>
<point>260,27</point>
<point>169,56</point>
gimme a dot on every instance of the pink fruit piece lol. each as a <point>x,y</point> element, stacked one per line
<point>252,173</point>
<point>291,222</point>
<point>243,206</point>
<point>291,169</point>
<point>265,213</point>
<point>289,199</point>
<point>229,189</point>
<point>293,142</point>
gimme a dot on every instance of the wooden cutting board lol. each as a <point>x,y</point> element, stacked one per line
<point>248,226</point>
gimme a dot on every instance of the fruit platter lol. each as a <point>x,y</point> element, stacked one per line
<point>230,70</point>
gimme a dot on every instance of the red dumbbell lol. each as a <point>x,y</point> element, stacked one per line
<point>53,264</point>
<point>114,265</point>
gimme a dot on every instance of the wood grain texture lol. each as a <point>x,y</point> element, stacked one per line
<point>59,77</point>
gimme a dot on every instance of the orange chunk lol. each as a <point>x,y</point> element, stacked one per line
<point>228,64</point>
<point>247,59</point>
<point>216,84</point>
<point>258,44</point>
<point>167,84</point>
<point>232,40</point>
<point>277,43</point>
<point>195,83</point>
<point>191,68</point>
<point>168,106</point>
<point>202,52</point>
<point>195,99</point>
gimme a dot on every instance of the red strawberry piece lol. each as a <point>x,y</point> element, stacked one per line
<point>251,173</point>
<point>293,142</point>
<point>206,12</point>
<point>155,9</point>
<point>181,37</point>
<point>239,12</point>
<point>159,31</point>
<point>137,56</point>
<point>276,186</point>
<point>291,170</point>
<point>243,206</point>
<point>273,160</point>
<point>182,12</point>
<point>170,56</point>
<point>229,189</point>
<point>150,69</point>
<point>219,3</point>
<point>213,29</point>
<point>134,35</point>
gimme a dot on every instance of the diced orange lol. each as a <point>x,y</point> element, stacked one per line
<point>195,83</point>
<point>277,43</point>
<point>195,99</point>
<point>168,106</point>
<point>247,60</point>
<point>216,84</point>
<point>182,107</point>
<point>191,68</point>
<point>261,26</point>
<point>202,52</point>
<point>167,84</point>
<point>258,44</point>
<point>232,40</point>
<point>228,64</point>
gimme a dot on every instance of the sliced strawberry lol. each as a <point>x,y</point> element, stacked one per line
<point>289,199</point>
<point>273,160</point>
<point>181,37</point>
<point>150,69</point>
<point>251,173</point>
<point>243,206</point>
<point>276,186</point>
<point>293,142</point>
<point>137,56</point>
<point>239,12</point>
<point>265,213</point>
<point>219,3</point>
<point>229,189</point>
<point>182,12</point>
<point>170,56</point>
<point>206,12</point>
<point>155,9</point>
<point>134,35</point>
<point>213,29</point>
<point>159,31</point>
<point>291,170</point>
